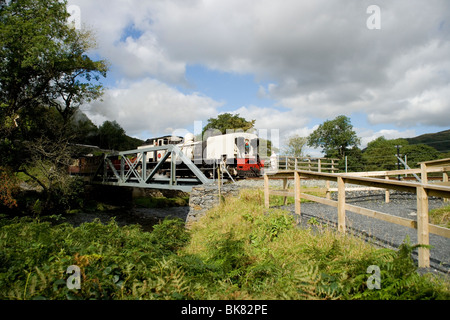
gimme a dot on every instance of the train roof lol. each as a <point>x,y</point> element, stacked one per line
<point>170,137</point>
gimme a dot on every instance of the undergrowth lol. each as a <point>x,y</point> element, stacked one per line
<point>280,200</point>
<point>441,216</point>
<point>161,202</point>
<point>239,250</point>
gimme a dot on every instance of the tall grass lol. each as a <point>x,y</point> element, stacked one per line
<point>441,216</point>
<point>280,261</point>
<point>239,250</point>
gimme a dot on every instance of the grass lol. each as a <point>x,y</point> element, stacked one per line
<point>441,216</point>
<point>279,200</point>
<point>239,250</point>
<point>275,260</point>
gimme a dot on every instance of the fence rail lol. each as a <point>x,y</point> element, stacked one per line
<point>423,191</point>
<point>302,163</point>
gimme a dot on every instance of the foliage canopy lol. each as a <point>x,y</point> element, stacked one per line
<point>295,145</point>
<point>43,60</point>
<point>335,137</point>
<point>227,121</point>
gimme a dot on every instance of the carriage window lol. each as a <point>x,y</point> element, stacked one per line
<point>247,146</point>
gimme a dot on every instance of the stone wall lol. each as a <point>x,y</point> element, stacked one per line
<point>158,193</point>
<point>206,197</point>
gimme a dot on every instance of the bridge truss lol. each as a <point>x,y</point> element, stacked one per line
<point>174,170</point>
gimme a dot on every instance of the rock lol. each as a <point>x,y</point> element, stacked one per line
<point>206,197</point>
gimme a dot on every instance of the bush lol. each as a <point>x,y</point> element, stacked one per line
<point>441,216</point>
<point>115,262</point>
<point>8,188</point>
<point>240,250</point>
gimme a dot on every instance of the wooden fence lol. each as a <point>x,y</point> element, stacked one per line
<point>423,191</point>
<point>303,163</point>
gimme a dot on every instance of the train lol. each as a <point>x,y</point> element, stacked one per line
<point>237,153</point>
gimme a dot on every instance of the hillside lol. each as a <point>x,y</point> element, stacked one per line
<point>439,140</point>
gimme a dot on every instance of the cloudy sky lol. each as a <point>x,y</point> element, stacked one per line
<point>290,64</point>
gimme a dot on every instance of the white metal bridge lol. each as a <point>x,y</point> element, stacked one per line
<point>132,169</point>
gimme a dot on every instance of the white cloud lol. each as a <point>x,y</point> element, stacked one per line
<point>134,56</point>
<point>272,118</point>
<point>148,107</point>
<point>319,58</point>
<point>138,58</point>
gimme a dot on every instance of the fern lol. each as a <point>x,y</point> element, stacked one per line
<point>260,256</point>
<point>169,281</point>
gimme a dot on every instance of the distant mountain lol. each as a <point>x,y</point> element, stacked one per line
<point>439,140</point>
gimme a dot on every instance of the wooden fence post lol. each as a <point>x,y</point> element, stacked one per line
<point>266,191</point>
<point>341,204</point>
<point>285,184</point>
<point>445,179</point>
<point>423,173</point>
<point>423,235</point>
<point>297,194</point>
<point>328,192</point>
<point>386,195</point>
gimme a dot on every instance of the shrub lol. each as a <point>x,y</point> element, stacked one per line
<point>114,261</point>
<point>441,216</point>
<point>8,187</point>
<point>240,250</point>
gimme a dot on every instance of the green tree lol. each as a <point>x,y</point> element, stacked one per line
<point>111,135</point>
<point>418,153</point>
<point>355,161</point>
<point>295,145</point>
<point>83,130</point>
<point>335,137</point>
<point>45,75</point>
<point>43,61</point>
<point>78,80</point>
<point>445,155</point>
<point>227,121</point>
<point>380,154</point>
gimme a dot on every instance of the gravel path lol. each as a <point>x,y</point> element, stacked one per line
<point>379,232</point>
